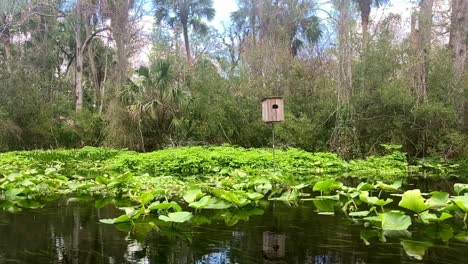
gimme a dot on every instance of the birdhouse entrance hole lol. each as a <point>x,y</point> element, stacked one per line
<point>272,110</point>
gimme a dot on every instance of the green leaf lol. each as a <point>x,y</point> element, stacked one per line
<point>389,187</point>
<point>132,212</point>
<point>364,196</point>
<point>327,186</point>
<point>462,236</point>
<point>367,234</point>
<point>145,198</point>
<point>263,186</point>
<point>395,220</point>
<point>427,217</point>
<point>102,180</point>
<point>226,195</point>
<point>193,195</point>
<point>254,196</point>
<point>121,219</point>
<point>164,206</point>
<point>364,186</point>
<point>178,217</point>
<point>460,187</point>
<point>416,249</point>
<point>218,204</point>
<point>13,176</point>
<point>325,205</point>
<point>202,203</point>
<point>441,231</point>
<point>461,202</point>
<point>413,200</point>
<point>359,213</point>
<point>438,199</point>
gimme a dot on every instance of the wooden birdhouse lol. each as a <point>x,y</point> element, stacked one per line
<point>273,109</point>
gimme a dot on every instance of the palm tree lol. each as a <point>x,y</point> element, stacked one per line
<point>185,13</point>
<point>247,17</point>
<point>296,16</point>
<point>154,94</point>
<point>365,9</point>
<point>304,26</point>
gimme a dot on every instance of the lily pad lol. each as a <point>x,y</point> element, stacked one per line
<point>416,249</point>
<point>395,220</point>
<point>438,199</point>
<point>178,217</point>
<point>327,186</point>
<point>193,195</point>
<point>413,200</point>
<point>459,188</point>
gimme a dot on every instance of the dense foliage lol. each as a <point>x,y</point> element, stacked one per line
<point>210,93</point>
<point>203,184</point>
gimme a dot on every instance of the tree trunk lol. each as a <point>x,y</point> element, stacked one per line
<point>342,138</point>
<point>421,42</point>
<point>78,61</point>
<point>5,38</point>
<point>344,53</point>
<point>458,45</point>
<point>92,65</point>
<point>365,7</point>
<point>120,27</point>
<point>186,41</point>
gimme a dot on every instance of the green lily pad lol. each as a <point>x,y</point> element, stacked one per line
<point>427,217</point>
<point>413,200</point>
<point>364,186</point>
<point>327,186</point>
<point>359,213</point>
<point>459,188</point>
<point>438,199</point>
<point>461,202</point>
<point>462,236</point>
<point>395,221</point>
<point>178,217</point>
<point>416,249</point>
<point>202,203</point>
<point>372,200</point>
<point>193,195</point>
<point>164,206</point>
<point>389,187</point>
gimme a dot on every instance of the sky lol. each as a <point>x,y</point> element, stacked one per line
<point>224,8</point>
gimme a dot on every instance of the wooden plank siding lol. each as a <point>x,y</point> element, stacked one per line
<point>269,112</point>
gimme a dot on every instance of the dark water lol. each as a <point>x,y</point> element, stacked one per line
<point>61,233</point>
<point>72,233</point>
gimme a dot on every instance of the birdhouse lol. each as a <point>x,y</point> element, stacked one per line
<point>273,109</point>
<point>274,246</point>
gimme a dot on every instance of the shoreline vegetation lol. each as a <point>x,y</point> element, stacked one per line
<point>195,185</point>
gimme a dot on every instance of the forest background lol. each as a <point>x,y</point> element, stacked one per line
<point>353,75</point>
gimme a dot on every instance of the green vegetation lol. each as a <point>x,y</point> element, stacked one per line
<point>69,85</point>
<point>200,184</point>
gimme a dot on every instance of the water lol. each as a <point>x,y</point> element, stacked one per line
<point>71,233</point>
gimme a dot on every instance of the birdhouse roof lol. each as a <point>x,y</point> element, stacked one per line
<point>272,97</point>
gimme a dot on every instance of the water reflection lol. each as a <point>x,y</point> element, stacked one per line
<point>62,233</point>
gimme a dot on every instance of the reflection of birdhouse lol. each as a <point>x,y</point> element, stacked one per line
<point>272,109</point>
<point>274,246</point>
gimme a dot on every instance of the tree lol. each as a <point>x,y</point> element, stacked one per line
<point>458,44</point>
<point>81,14</point>
<point>294,19</point>
<point>247,17</point>
<point>365,9</point>
<point>342,137</point>
<point>421,29</point>
<point>155,95</point>
<point>185,13</point>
